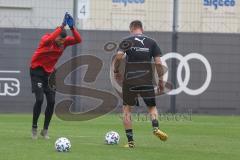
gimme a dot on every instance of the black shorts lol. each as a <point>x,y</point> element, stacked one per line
<point>131,93</point>
<point>39,80</point>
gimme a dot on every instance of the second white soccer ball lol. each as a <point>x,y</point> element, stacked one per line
<point>62,145</point>
<point>112,137</point>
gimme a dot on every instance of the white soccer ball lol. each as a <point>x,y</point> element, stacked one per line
<point>62,144</point>
<point>112,138</point>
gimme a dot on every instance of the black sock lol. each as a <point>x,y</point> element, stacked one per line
<point>48,116</point>
<point>129,134</point>
<point>155,123</point>
<point>34,126</point>
<point>37,108</point>
<point>49,109</point>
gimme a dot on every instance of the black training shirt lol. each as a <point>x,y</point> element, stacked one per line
<point>138,68</point>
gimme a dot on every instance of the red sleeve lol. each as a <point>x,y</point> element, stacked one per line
<point>48,38</point>
<point>76,38</point>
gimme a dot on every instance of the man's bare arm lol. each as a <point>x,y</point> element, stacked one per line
<point>159,68</point>
<point>117,61</point>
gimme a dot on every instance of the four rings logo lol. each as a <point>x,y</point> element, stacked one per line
<point>183,65</point>
<point>9,86</point>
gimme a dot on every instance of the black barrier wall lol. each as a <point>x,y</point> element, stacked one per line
<point>220,95</point>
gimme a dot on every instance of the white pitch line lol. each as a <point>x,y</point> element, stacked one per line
<point>7,71</point>
<point>73,136</point>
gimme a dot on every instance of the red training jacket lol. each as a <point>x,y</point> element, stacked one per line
<point>48,53</point>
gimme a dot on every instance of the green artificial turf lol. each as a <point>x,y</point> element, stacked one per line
<point>201,138</point>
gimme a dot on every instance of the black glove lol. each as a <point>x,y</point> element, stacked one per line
<point>70,21</point>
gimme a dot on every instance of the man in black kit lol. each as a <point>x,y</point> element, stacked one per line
<point>138,77</point>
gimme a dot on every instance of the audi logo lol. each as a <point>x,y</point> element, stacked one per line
<point>183,64</point>
<point>182,83</point>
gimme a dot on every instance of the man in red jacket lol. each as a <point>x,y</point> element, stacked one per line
<point>43,61</point>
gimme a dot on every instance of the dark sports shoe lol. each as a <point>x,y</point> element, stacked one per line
<point>130,144</point>
<point>44,133</point>
<point>34,133</point>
